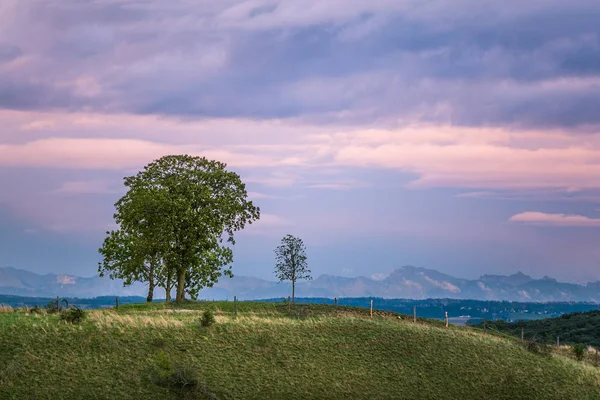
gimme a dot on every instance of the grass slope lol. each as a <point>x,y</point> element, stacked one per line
<point>321,352</point>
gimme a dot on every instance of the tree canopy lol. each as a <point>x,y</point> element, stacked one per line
<point>180,214</point>
<point>291,262</point>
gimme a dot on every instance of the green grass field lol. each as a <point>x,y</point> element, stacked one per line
<point>318,352</point>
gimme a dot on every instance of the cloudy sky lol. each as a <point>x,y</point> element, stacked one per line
<point>457,135</point>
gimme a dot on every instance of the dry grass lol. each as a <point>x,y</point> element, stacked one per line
<point>105,319</point>
<point>5,308</point>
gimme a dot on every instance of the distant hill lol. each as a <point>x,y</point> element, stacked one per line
<point>404,282</point>
<point>20,282</point>
<point>577,327</point>
<point>86,303</point>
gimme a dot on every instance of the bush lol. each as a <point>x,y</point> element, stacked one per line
<point>35,310</point>
<point>541,349</point>
<point>178,376</point>
<point>207,319</point>
<point>53,307</point>
<point>183,377</point>
<point>579,351</point>
<point>74,316</point>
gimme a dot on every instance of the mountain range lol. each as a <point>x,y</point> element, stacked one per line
<point>404,282</point>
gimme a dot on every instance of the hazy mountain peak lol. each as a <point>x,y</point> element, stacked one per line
<point>513,280</point>
<point>403,282</point>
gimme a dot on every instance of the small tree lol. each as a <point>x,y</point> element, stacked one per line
<point>579,351</point>
<point>291,264</point>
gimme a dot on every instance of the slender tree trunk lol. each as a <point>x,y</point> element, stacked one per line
<point>151,284</point>
<point>150,296</point>
<point>293,290</point>
<point>168,286</point>
<point>180,285</point>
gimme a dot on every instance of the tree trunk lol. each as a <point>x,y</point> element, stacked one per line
<point>180,285</point>
<point>151,284</point>
<point>293,290</point>
<point>168,287</point>
<point>150,296</point>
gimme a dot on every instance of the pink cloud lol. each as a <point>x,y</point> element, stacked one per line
<point>540,218</point>
<point>287,153</point>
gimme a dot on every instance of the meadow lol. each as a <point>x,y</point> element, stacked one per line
<point>156,351</point>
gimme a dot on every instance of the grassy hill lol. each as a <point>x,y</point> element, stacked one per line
<point>316,352</point>
<point>578,327</point>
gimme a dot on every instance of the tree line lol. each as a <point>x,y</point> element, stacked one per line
<point>177,223</point>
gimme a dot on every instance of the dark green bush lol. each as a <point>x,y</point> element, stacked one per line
<point>35,310</point>
<point>579,351</point>
<point>179,376</point>
<point>207,319</point>
<point>541,349</point>
<point>74,315</point>
<point>53,307</point>
<point>183,377</point>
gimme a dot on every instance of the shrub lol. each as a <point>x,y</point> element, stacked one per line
<point>178,376</point>
<point>579,351</point>
<point>182,377</point>
<point>207,319</point>
<point>74,316</point>
<point>36,310</point>
<point>53,307</point>
<point>541,349</point>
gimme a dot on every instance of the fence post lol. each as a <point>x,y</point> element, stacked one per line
<point>522,333</point>
<point>484,323</point>
<point>234,307</point>
<point>415,314</point>
<point>57,304</point>
<point>558,341</point>
<point>446,319</point>
<point>371,308</point>
<point>117,302</point>
<point>335,302</point>
<point>289,304</point>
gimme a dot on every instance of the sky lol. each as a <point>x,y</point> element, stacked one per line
<point>461,135</point>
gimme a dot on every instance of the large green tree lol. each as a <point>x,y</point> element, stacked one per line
<point>185,211</point>
<point>291,261</point>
